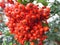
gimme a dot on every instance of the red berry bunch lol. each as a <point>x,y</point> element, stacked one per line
<point>2,4</point>
<point>26,22</point>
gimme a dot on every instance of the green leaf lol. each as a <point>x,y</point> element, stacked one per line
<point>1,41</point>
<point>44,2</point>
<point>31,0</point>
<point>35,41</point>
<point>27,43</point>
<point>7,33</point>
<point>58,39</point>
<point>4,43</point>
<point>28,1</point>
<point>10,43</point>
<point>25,1</point>
<point>19,1</point>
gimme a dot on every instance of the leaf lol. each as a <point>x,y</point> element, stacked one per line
<point>25,1</point>
<point>35,41</point>
<point>19,1</point>
<point>1,41</point>
<point>10,43</point>
<point>58,39</point>
<point>44,2</point>
<point>31,0</point>
<point>27,43</point>
<point>7,33</point>
<point>4,43</point>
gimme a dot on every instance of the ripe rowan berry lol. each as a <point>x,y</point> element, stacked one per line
<point>26,22</point>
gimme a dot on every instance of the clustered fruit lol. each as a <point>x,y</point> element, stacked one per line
<point>26,22</point>
<point>2,4</point>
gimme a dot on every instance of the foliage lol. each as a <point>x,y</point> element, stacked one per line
<point>44,2</point>
<point>25,1</point>
<point>55,8</point>
<point>54,33</point>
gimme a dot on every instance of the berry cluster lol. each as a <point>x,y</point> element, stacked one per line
<point>26,22</point>
<point>2,4</point>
